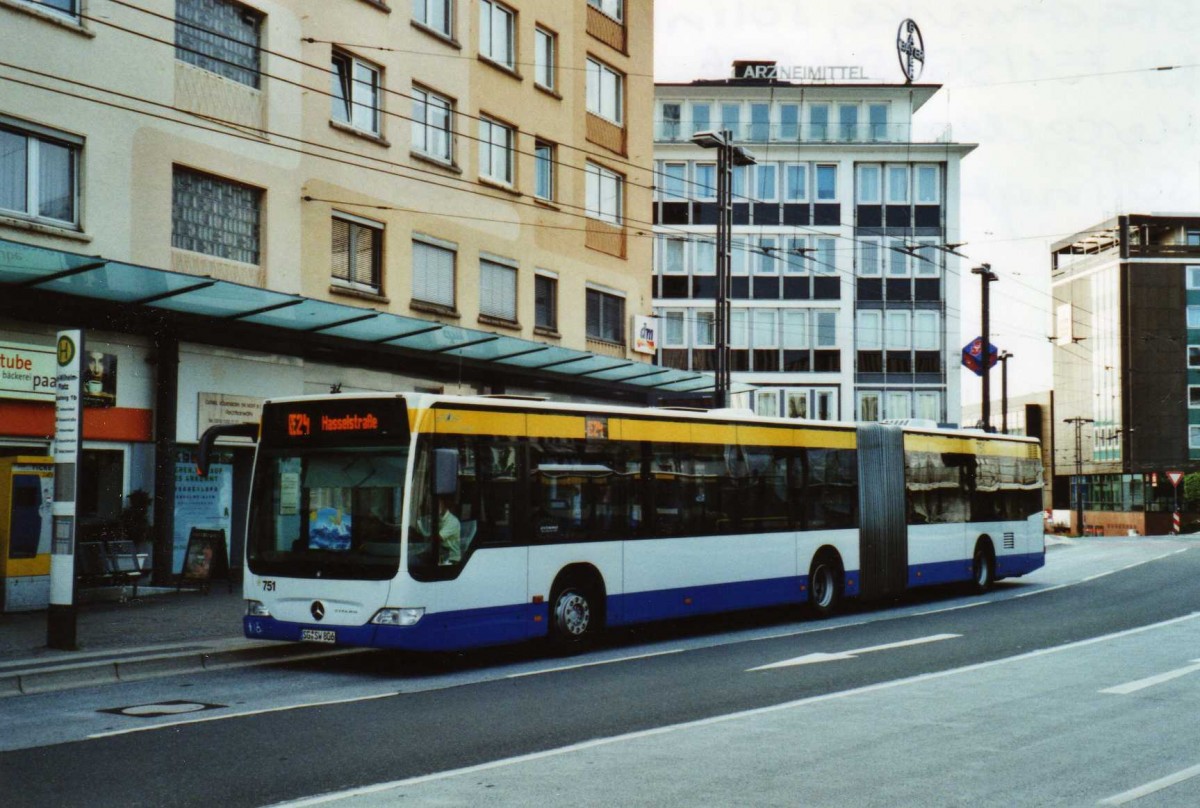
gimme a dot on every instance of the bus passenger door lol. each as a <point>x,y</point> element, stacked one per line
<point>883,529</point>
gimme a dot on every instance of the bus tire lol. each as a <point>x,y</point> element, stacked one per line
<point>825,583</point>
<point>983,567</point>
<point>575,616</point>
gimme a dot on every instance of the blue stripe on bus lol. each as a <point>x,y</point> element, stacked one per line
<point>473,628</point>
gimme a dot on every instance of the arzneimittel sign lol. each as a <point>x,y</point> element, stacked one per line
<point>798,72</point>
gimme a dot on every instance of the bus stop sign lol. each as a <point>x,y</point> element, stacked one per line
<point>972,355</point>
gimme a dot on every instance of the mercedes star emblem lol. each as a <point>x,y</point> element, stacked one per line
<point>318,610</point>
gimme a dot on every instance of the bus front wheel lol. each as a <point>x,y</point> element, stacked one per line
<point>825,584</point>
<point>573,617</point>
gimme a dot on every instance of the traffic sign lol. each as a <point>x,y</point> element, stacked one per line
<point>1175,477</point>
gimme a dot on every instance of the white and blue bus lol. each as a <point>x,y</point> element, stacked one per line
<point>437,522</point>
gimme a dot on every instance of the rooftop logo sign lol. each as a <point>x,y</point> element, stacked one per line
<point>910,49</point>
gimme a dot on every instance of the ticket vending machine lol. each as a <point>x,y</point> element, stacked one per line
<point>26,493</point>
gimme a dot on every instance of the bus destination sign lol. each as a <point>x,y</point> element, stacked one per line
<point>335,421</point>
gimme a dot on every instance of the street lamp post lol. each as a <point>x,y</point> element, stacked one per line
<point>1003,359</point>
<point>728,156</point>
<point>986,278</point>
<point>1079,421</point>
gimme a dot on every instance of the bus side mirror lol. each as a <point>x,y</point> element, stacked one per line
<point>209,439</point>
<point>445,472</point>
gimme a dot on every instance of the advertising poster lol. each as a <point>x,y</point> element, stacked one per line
<point>100,379</point>
<point>203,502</point>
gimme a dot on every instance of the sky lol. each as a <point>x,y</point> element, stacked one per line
<point>1074,122</point>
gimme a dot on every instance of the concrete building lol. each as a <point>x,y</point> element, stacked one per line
<point>844,300</point>
<point>1126,297</point>
<point>244,199</point>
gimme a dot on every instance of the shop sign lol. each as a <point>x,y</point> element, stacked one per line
<point>214,409</point>
<point>768,70</point>
<point>645,331</point>
<point>27,371</point>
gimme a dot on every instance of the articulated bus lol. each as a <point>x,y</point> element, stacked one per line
<point>435,522</point>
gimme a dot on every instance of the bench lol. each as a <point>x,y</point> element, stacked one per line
<point>108,563</point>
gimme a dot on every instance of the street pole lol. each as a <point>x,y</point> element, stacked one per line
<point>1079,421</point>
<point>724,224</point>
<point>1004,357</point>
<point>986,278</point>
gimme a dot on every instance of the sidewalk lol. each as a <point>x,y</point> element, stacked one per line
<point>161,633</point>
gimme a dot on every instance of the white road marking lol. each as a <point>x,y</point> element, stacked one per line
<point>540,671</point>
<point>809,659</point>
<point>1151,681</point>
<point>1100,575</point>
<point>1157,785</point>
<point>721,719</point>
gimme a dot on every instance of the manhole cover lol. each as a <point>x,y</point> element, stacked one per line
<point>162,708</point>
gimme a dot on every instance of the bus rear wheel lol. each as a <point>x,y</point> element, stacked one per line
<point>824,584</point>
<point>983,567</point>
<point>573,618</point>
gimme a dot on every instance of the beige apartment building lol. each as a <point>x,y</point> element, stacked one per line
<point>239,200</point>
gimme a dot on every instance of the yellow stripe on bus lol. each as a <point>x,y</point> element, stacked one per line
<point>478,422</point>
<point>989,448</point>
<point>555,426</point>
<point>636,429</point>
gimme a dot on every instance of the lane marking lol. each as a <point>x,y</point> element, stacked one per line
<point>720,719</point>
<point>1151,681</point>
<point>835,656</point>
<point>880,618</point>
<point>1102,574</point>
<point>540,671</point>
<point>1151,787</point>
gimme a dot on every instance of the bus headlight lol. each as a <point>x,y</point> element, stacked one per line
<point>255,608</point>
<point>398,617</point>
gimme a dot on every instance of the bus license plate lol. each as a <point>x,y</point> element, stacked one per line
<point>314,635</point>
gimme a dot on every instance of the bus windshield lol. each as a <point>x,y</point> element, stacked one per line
<point>327,513</point>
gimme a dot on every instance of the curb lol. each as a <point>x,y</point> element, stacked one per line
<point>48,679</point>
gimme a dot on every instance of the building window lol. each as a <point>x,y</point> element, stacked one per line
<point>433,273</point>
<point>701,116</point>
<point>789,121</point>
<point>1193,238</point>
<point>670,123</point>
<point>731,119</point>
<point>927,259</point>
<point>826,183</point>
<point>869,330</point>
<point>760,122</point>
<point>766,260</point>
<point>67,8</point>
<point>216,217</point>
<point>674,329</point>
<point>764,329</point>
<point>868,406</point>
<point>766,403</point>
<point>867,192</point>
<point>355,93</point>
<point>497,290</point>
<point>897,259</point>
<point>897,185</point>
<point>848,122</point>
<point>1193,316</point>
<point>605,91</point>
<point>1193,277</point>
<point>897,330</point>
<point>825,322</point>
<point>545,301</point>
<point>611,8</point>
<point>927,185</point>
<point>705,329</point>
<point>795,182</point>
<point>605,190</point>
<point>496,26</point>
<point>739,328</point>
<point>797,403</point>
<point>926,330</point>
<point>766,185</point>
<point>39,174</point>
<point>1194,396</point>
<point>674,180</point>
<point>899,404</point>
<point>706,181</point>
<point>869,263</point>
<point>357,252</point>
<point>672,255</point>
<point>826,256</point>
<point>1193,353</point>
<point>544,61</point>
<point>706,257</point>
<point>219,36</point>
<point>543,162</point>
<point>432,116</point>
<point>495,151</point>
<point>929,406</point>
<point>1194,437</point>
<point>435,14</point>
<point>605,316</point>
<point>818,122</point>
<point>796,256</point>
<point>877,115</point>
